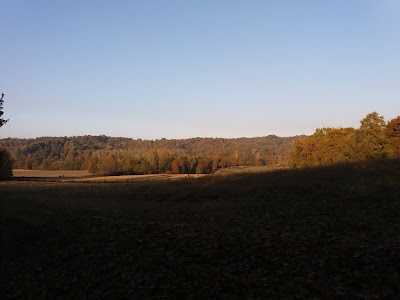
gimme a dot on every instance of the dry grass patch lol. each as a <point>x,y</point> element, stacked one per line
<point>51,173</point>
<point>247,169</point>
<point>139,178</point>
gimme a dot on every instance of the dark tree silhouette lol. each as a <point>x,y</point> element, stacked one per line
<point>2,121</point>
<point>6,165</point>
<point>6,162</point>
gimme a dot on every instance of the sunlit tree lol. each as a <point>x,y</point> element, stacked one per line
<point>371,137</point>
<point>329,146</point>
<point>393,136</point>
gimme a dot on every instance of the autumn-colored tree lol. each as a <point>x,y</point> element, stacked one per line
<point>371,137</point>
<point>144,156</point>
<point>336,145</point>
<point>177,166</point>
<point>329,146</point>
<point>204,166</point>
<point>191,164</point>
<point>393,136</point>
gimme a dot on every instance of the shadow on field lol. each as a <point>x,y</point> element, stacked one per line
<point>314,233</point>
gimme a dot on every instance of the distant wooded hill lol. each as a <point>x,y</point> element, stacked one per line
<point>114,155</point>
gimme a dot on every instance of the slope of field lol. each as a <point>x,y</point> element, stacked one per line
<point>86,176</point>
<point>322,233</point>
<point>247,169</point>
<point>138,178</point>
<point>50,173</point>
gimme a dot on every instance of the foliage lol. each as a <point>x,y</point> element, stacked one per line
<point>393,136</point>
<point>2,121</point>
<point>113,155</point>
<point>371,137</point>
<point>327,146</point>
<point>6,163</point>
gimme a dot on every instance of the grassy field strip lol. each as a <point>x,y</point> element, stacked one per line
<point>50,173</point>
<point>85,175</point>
<point>247,169</point>
<point>130,178</point>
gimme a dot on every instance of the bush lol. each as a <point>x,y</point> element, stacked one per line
<point>6,165</point>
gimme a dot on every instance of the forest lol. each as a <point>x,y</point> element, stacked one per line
<point>374,139</point>
<point>326,232</point>
<point>105,155</point>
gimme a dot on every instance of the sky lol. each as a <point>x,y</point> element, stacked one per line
<point>179,69</point>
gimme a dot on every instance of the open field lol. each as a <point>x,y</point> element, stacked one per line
<point>86,176</point>
<point>139,178</point>
<point>247,169</point>
<point>321,233</point>
<point>50,173</point>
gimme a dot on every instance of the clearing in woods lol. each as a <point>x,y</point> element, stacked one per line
<point>321,233</point>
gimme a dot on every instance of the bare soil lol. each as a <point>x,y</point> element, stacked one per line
<point>325,233</point>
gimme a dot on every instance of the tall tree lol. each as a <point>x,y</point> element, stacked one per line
<point>6,162</point>
<point>393,136</point>
<point>371,137</point>
<point>2,121</point>
<point>6,165</point>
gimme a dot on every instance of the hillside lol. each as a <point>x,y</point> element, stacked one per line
<point>114,155</point>
<point>321,233</point>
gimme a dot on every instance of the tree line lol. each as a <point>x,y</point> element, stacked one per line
<point>115,155</point>
<point>374,139</point>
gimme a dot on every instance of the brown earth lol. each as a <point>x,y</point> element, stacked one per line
<point>323,233</point>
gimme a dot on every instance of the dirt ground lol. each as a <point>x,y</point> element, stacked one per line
<point>322,233</point>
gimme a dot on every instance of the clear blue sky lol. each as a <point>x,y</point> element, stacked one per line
<point>178,69</point>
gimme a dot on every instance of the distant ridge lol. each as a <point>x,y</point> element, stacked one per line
<point>119,155</point>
